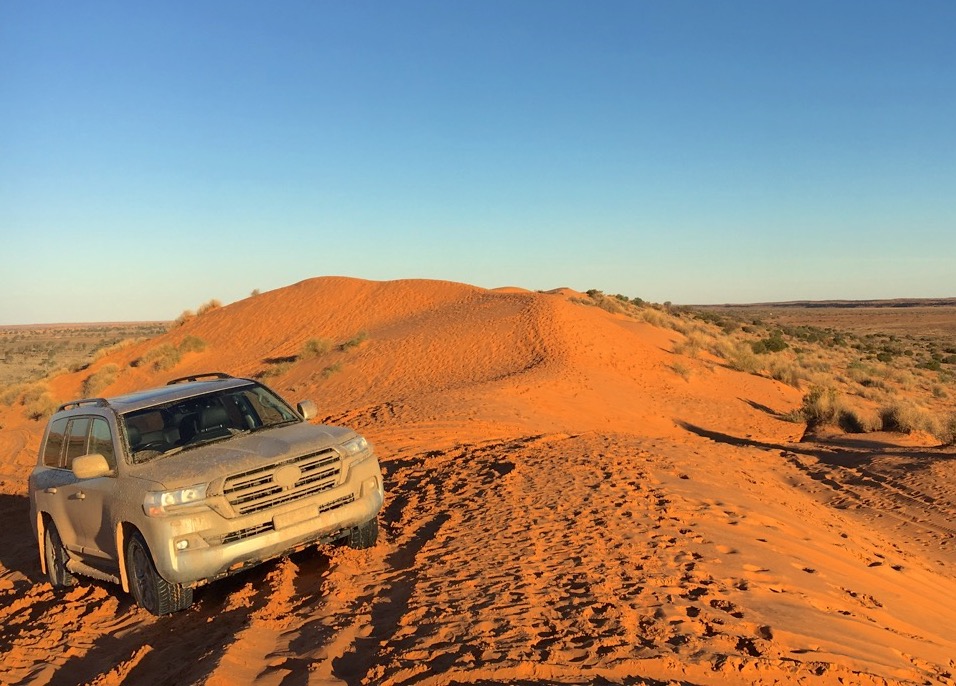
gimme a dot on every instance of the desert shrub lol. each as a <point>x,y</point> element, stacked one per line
<point>184,317</point>
<point>820,406</point>
<point>354,341</point>
<point>947,430</point>
<point>773,343</point>
<point>99,380</point>
<point>32,393</point>
<point>691,345</point>
<point>276,369</point>
<point>932,365</point>
<point>254,293</point>
<point>41,407</point>
<point>786,372</point>
<point>162,357</point>
<point>682,370</point>
<point>654,317</point>
<point>331,369</point>
<point>315,347</point>
<point>742,358</point>
<point>208,306</point>
<point>855,422</point>
<point>904,417</point>
<point>10,394</point>
<point>192,344</point>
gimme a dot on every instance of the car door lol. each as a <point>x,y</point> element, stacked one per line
<point>89,500</point>
<point>52,480</point>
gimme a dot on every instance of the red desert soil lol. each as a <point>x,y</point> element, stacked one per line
<point>562,508</point>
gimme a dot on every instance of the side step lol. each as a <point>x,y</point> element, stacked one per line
<point>86,570</point>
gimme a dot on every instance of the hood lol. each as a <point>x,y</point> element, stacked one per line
<point>207,463</point>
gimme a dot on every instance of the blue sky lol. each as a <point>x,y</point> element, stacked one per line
<point>156,155</point>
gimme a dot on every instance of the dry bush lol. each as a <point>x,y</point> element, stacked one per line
<point>691,345</point>
<point>208,306</point>
<point>331,369</point>
<point>315,347</point>
<point>682,370</point>
<point>906,417</point>
<point>184,317</point>
<point>741,357</point>
<point>12,394</point>
<point>192,344</point>
<point>354,341</point>
<point>655,318</point>
<point>276,369</point>
<point>162,357</point>
<point>41,407</point>
<point>786,371</point>
<point>947,430</point>
<point>820,406</point>
<point>853,420</point>
<point>99,380</point>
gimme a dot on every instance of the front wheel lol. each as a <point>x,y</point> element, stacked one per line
<point>151,591</point>
<point>364,536</point>
<point>55,556</point>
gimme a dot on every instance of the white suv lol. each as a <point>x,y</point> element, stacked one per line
<point>169,488</point>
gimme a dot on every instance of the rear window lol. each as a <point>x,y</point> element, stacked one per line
<point>54,442</point>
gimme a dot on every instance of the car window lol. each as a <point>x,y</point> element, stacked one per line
<point>101,441</point>
<point>54,443</point>
<point>196,420</point>
<point>76,439</point>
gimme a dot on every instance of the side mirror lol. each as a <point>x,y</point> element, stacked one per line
<point>90,466</point>
<point>307,409</point>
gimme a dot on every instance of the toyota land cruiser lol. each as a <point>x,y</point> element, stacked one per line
<point>169,488</point>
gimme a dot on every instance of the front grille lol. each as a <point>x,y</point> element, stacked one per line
<point>240,534</point>
<point>256,489</point>
<point>268,526</point>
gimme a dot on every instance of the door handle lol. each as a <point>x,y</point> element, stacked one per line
<point>51,490</point>
<point>80,495</point>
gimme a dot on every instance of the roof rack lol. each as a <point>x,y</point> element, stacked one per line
<point>95,402</point>
<point>197,377</point>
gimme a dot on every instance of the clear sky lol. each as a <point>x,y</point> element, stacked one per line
<point>156,155</point>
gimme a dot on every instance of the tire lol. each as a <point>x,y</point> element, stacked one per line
<point>151,591</point>
<point>364,536</point>
<point>56,556</point>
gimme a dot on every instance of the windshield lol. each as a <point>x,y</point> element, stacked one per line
<point>176,426</point>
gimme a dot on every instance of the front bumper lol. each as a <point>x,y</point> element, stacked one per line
<point>197,548</point>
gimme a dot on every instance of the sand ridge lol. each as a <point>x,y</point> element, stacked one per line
<point>562,508</point>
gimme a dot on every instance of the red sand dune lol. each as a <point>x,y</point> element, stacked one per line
<point>562,508</point>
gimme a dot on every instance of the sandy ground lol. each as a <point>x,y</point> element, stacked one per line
<point>562,507</point>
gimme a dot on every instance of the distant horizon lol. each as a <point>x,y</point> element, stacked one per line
<point>944,301</point>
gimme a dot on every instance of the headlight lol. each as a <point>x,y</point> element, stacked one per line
<point>354,446</point>
<point>159,503</point>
